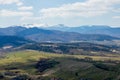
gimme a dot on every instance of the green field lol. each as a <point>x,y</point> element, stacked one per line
<point>70,67</point>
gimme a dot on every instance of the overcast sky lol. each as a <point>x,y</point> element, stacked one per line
<point>52,12</point>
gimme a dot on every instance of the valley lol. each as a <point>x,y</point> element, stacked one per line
<point>59,39</point>
<point>40,54</point>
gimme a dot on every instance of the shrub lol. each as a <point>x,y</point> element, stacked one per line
<point>44,64</point>
<point>22,77</point>
<point>88,59</point>
<point>1,76</point>
<point>105,67</point>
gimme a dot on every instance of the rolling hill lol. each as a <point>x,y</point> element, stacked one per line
<point>28,65</point>
<point>12,41</point>
<point>11,30</point>
<point>81,48</point>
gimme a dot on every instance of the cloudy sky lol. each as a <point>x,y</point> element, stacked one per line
<point>52,12</point>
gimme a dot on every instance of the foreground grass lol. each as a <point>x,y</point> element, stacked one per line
<point>25,56</point>
<point>70,67</point>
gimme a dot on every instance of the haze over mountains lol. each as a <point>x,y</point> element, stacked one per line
<point>63,34</point>
<point>94,29</point>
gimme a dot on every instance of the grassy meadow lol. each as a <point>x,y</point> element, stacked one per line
<point>70,67</point>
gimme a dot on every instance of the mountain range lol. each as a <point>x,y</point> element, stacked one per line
<point>53,35</point>
<point>94,29</point>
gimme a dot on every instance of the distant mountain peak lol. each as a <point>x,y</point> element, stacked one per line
<point>34,25</point>
<point>59,26</point>
<point>94,27</point>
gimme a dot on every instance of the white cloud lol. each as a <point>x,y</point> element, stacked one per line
<point>25,8</point>
<point>117,10</point>
<point>116,17</point>
<point>89,8</point>
<point>8,13</point>
<point>25,18</point>
<point>17,2</point>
